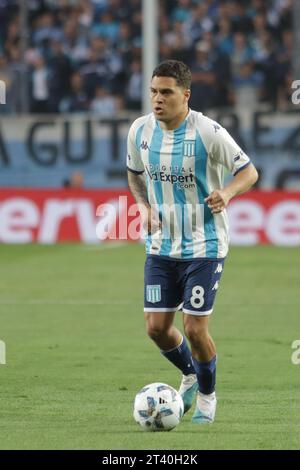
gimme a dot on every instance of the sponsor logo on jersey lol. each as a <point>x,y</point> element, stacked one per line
<point>216,286</point>
<point>163,175</point>
<point>171,178</point>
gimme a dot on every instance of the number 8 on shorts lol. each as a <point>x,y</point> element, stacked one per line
<point>197,299</point>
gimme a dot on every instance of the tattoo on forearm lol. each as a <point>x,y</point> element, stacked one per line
<point>137,187</point>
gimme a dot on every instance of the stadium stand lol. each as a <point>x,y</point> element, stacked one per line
<point>86,55</point>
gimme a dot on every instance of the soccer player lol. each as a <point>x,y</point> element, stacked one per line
<point>176,161</point>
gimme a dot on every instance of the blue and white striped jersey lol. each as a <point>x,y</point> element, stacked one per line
<point>182,167</point>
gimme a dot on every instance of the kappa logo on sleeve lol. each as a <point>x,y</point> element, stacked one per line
<point>238,156</point>
<point>144,145</point>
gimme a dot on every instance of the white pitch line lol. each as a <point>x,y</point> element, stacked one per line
<point>66,302</point>
<point>104,246</point>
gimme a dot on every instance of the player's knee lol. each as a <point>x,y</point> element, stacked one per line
<point>196,334</point>
<point>156,332</point>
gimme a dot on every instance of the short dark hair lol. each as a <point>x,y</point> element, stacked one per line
<point>175,69</point>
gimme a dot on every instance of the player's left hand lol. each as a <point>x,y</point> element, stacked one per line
<point>217,201</point>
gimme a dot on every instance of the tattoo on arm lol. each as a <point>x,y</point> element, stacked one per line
<point>137,186</point>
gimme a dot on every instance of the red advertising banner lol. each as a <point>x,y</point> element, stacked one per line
<point>92,216</point>
<point>265,217</point>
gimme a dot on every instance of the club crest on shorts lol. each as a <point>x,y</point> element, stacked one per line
<point>189,147</point>
<point>153,294</point>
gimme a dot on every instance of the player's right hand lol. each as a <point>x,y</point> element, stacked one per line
<point>217,201</point>
<point>150,220</point>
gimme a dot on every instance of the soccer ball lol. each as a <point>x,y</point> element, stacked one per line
<point>158,407</point>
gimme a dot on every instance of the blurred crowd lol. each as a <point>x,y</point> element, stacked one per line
<point>85,55</point>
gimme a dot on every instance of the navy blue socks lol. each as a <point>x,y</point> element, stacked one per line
<point>206,375</point>
<point>181,357</point>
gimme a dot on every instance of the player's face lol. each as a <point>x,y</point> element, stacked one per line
<point>169,101</point>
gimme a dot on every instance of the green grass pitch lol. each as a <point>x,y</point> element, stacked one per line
<point>72,320</point>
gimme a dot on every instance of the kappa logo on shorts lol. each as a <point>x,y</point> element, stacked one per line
<point>219,268</point>
<point>153,294</point>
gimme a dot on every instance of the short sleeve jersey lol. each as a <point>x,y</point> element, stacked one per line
<point>182,167</point>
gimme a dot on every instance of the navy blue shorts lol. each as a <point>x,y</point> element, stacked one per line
<point>190,286</point>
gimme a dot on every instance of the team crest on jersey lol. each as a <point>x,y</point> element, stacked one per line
<point>189,147</point>
<point>153,294</point>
